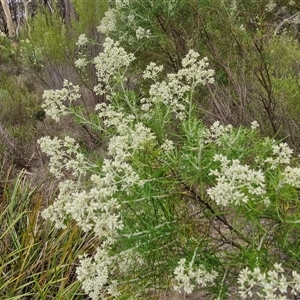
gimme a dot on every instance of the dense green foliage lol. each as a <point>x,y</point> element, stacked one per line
<point>162,179</point>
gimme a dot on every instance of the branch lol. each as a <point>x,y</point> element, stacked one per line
<point>287,20</point>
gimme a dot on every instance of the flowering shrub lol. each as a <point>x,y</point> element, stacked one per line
<point>189,277</point>
<point>235,182</point>
<point>170,190</point>
<point>272,284</point>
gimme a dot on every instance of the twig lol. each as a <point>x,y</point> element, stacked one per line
<point>287,20</point>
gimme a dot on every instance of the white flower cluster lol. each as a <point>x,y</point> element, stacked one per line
<point>152,71</point>
<point>282,155</point>
<point>108,22</point>
<point>173,91</point>
<point>142,33</point>
<point>236,183</point>
<point>96,273</point>
<point>196,70</point>
<point>121,3</point>
<point>291,176</point>
<point>130,18</point>
<point>167,146</point>
<point>81,62</point>
<point>54,100</point>
<point>188,277</point>
<point>270,285</point>
<point>271,6</point>
<point>130,136</point>
<point>217,133</point>
<point>110,65</point>
<point>82,40</point>
<point>64,158</point>
<point>56,212</point>
<point>114,118</point>
<point>97,207</point>
<point>254,125</point>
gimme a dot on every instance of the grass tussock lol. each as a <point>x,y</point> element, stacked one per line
<point>37,260</point>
